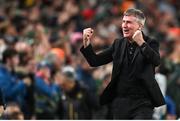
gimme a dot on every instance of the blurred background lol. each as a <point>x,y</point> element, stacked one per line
<point>42,72</point>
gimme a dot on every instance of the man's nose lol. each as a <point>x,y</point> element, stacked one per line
<point>124,25</point>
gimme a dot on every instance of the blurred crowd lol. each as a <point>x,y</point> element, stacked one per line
<point>44,76</point>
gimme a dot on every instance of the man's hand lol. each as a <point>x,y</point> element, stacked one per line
<point>138,38</point>
<point>87,35</point>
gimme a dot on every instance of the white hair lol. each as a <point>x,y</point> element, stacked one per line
<point>137,13</point>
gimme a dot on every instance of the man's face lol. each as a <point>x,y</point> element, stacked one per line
<point>62,81</point>
<point>15,60</point>
<point>129,26</point>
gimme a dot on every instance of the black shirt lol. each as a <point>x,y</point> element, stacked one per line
<point>128,86</point>
<point>131,47</point>
<point>127,82</point>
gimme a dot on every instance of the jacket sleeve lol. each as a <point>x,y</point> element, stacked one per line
<point>151,52</point>
<point>99,59</point>
<point>15,89</point>
<point>41,87</point>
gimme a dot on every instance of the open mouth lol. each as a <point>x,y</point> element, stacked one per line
<point>126,31</point>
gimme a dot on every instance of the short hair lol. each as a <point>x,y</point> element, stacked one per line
<point>8,53</point>
<point>136,13</point>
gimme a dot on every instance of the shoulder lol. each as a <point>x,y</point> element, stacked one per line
<point>149,39</point>
<point>118,41</point>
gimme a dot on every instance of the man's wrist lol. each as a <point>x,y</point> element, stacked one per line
<point>86,43</point>
<point>143,45</point>
<point>140,43</point>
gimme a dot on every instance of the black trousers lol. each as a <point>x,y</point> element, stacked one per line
<point>130,108</point>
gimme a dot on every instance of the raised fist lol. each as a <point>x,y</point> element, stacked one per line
<point>87,36</point>
<point>138,37</point>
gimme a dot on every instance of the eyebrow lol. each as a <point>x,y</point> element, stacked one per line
<point>127,21</point>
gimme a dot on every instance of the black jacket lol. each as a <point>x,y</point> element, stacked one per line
<point>79,103</point>
<point>145,59</point>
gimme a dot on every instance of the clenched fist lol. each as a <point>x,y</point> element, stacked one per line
<point>138,37</point>
<point>87,35</point>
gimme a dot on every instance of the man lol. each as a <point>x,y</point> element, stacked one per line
<point>46,92</point>
<point>133,92</point>
<point>76,101</point>
<point>13,89</point>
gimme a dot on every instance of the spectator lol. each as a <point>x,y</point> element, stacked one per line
<point>84,74</point>
<point>46,93</point>
<point>76,101</point>
<point>12,87</point>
